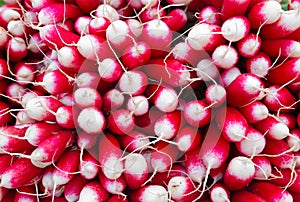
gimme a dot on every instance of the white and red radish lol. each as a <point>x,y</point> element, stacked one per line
<point>89,166</point>
<point>259,64</point>
<point>150,193</point>
<point>91,120</point>
<point>197,113</point>
<point>110,70</point>
<point>16,49</point>
<point>225,56</point>
<point>255,112</point>
<point>229,8</point>
<point>133,82</point>
<point>98,26</point>
<point>93,192</point>
<point>113,186</point>
<point>219,193</point>
<point>87,97</point>
<point>246,196</point>
<point>250,45</point>
<point>73,188</point>
<point>121,121</point>
<point>281,47</point>
<point>210,15</point>
<point>182,189</point>
<point>188,138</point>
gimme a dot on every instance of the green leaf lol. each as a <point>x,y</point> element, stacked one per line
<point>284,4</point>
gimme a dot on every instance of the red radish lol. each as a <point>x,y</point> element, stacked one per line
<point>197,113</point>
<point>38,5</point>
<point>176,19</point>
<point>195,167</point>
<point>234,126</point>
<point>117,198</point>
<point>24,73</point>
<point>113,99</point>
<point>113,186</point>
<point>294,35</point>
<point>110,70</point>
<point>3,38</point>
<point>135,27</point>
<point>270,192</point>
<point>136,55</point>
<point>81,24</point>
<point>167,126</point>
<point>55,13</point>
<point>136,170</point>
<point>93,47</point>
<point>87,97</point>
<point>246,196</point>
<point>3,192</point>
<point>110,156</point>
<point>204,36</point>
<point>264,12</point>
<point>91,120</point>
<point>290,69</point>
<point>47,183</point>
<point>51,149</point>
<point>64,117</point>
<point>281,47</point>
<point>53,80</point>
<point>283,26</point>
<point>157,34</point>
<point>105,10</point>
<point>258,64</point>
<point>13,176</point>
<point>5,161</point>
<point>253,144</point>
<point>225,56</point>
<point>89,167</point>
<point>9,13</point>
<point>240,171</point>
<point>263,168</point>
<point>281,155</point>
<point>249,45</point>
<point>246,86</point>
<point>36,45</point>
<point>279,98</point>
<point>289,120</point>
<point>150,193</point>
<point>294,139</point>
<point>134,141</point>
<point>182,189</point>
<point>42,108</point>
<point>73,188</point>
<point>229,75</point>
<point>25,193</point>
<point>228,8</point>
<point>98,26</point>
<point>15,91</point>
<point>133,82</point>
<point>235,28</point>
<point>87,79</point>
<point>16,49</point>
<point>215,95</point>
<point>163,178</point>
<point>219,193</point>
<point>4,71</point>
<point>40,131</point>
<point>170,71</point>
<point>255,112</point>
<point>70,58</point>
<point>290,180</point>
<point>139,105</point>
<point>210,15</point>
<point>188,138</point>
<point>152,13</point>
<point>57,37</point>
<point>17,28</point>
<point>121,121</point>
<point>13,140</point>
<point>4,117</point>
<point>87,6</point>
<point>93,192</point>
<point>273,128</point>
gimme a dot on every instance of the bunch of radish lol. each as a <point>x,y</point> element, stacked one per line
<point>148,100</point>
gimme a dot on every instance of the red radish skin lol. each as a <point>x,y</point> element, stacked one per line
<point>283,47</point>
<point>16,49</point>
<point>121,121</point>
<point>51,149</point>
<point>225,56</point>
<point>246,196</point>
<point>3,68</point>
<point>255,112</point>
<point>3,38</point>
<point>89,166</point>
<point>53,80</point>
<point>195,167</point>
<point>215,95</point>
<point>81,24</point>
<point>136,170</point>
<point>181,189</point>
<point>250,45</point>
<point>176,19</point>
<point>289,120</point>
<point>70,58</point>
<point>134,141</point>
<point>167,126</point>
<point>113,99</point>
<point>24,73</point>
<point>93,192</point>
<point>219,193</point>
<point>25,193</point>
<point>284,181</point>
<point>91,120</point>
<point>110,70</point>
<point>270,192</point>
<point>5,161</point>
<point>87,6</point>
<point>263,168</point>
<point>115,186</point>
<point>117,198</point>
<point>64,117</point>
<point>154,192</point>
<point>3,192</point>
<point>210,15</point>
<point>246,86</point>
<point>229,75</point>
<point>73,188</point>
<point>258,64</point>
<point>110,156</point>
<point>14,177</point>
<point>234,126</point>
<point>228,8</point>
<point>188,138</point>
<point>197,113</point>
<point>105,10</point>
<point>98,26</point>
<point>240,171</point>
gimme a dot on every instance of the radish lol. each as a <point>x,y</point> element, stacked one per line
<point>181,188</point>
<point>121,121</point>
<point>150,193</point>
<point>228,6</point>
<point>4,117</point>
<point>289,120</point>
<point>133,82</point>
<point>188,138</point>
<point>282,47</point>
<point>210,15</point>
<point>113,99</point>
<point>52,81</point>
<point>115,186</point>
<point>110,70</point>
<point>24,73</point>
<point>93,192</point>
<point>70,58</point>
<point>13,176</point>
<point>259,64</point>
<point>89,166</point>
<point>5,161</point>
<point>229,75</point>
<point>219,193</point>
<point>73,188</point>
<point>195,167</point>
<point>87,6</point>
<point>87,97</point>
<point>290,180</point>
<point>65,117</point>
<point>235,28</point>
<point>255,112</point>
<point>240,171</point>
<point>81,24</point>
<point>117,198</point>
<point>87,79</point>
<point>176,19</point>
<point>16,49</point>
<point>215,95</point>
<point>250,45</point>
<point>51,149</point>
<point>98,26</point>
<point>134,141</point>
<point>225,56</point>
<point>139,105</point>
<point>105,10</point>
<point>17,28</point>
<point>136,170</point>
<point>91,120</point>
<point>246,196</point>
<point>36,45</point>
<point>270,192</point>
<point>197,113</point>
<point>263,168</point>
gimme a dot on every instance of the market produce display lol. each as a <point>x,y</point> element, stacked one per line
<point>149,101</point>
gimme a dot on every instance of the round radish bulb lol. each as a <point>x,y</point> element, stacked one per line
<point>87,97</point>
<point>225,56</point>
<point>196,113</point>
<point>121,121</point>
<point>235,28</point>
<point>210,15</point>
<point>181,188</point>
<point>107,11</point>
<point>113,99</point>
<point>118,34</point>
<point>139,105</point>
<point>91,120</point>
<point>133,82</point>
<point>109,70</point>
<point>215,94</point>
<point>98,26</point>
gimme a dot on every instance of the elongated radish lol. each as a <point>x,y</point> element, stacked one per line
<point>110,70</point>
<point>70,58</point>
<point>215,95</point>
<point>113,186</point>
<point>176,19</point>
<point>263,168</point>
<point>98,26</point>
<point>16,49</point>
<point>87,97</point>
<point>167,126</point>
<point>285,180</point>
<point>282,47</point>
<point>246,196</point>
<point>113,99</point>
<point>73,188</point>
<point>105,10</point>
<point>150,193</point>
<point>89,166</point>
<point>51,149</point>
<point>235,28</point>
<point>255,112</point>
<point>65,117</point>
<point>14,177</point>
<point>93,192</point>
<point>181,188</point>
<point>52,81</point>
<point>228,6</point>
<point>121,121</point>
<point>195,167</point>
<point>25,193</point>
<point>5,162</point>
<point>81,24</point>
<point>134,141</point>
<point>219,193</point>
<point>188,138</point>
<point>270,192</point>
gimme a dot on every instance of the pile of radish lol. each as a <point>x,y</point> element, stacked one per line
<point>149,101</point>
